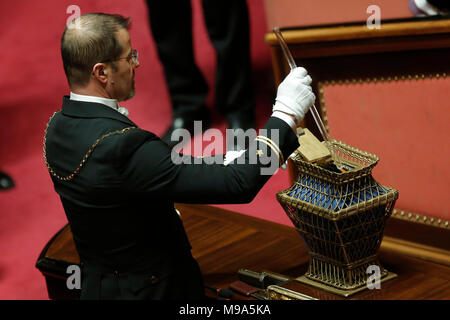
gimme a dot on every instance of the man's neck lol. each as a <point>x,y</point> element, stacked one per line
<point>91,91</point>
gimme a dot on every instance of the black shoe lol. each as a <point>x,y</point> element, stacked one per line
<point>236,123</point>
<point>183,123</point>
<point>5,181</point>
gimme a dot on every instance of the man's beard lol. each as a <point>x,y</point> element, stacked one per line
<point>131,94</point>
<point>132,91</point>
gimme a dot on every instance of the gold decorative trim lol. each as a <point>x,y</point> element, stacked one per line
<point>343,292</point>
<point>86,156</point>
<point>275,292</point>
<point>272,146</point>
<point>420,218</point>
<point>401,214</point>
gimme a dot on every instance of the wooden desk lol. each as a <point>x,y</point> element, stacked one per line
<point>224,242</point>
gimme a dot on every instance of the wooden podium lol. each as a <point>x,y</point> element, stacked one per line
<point>224,242</point>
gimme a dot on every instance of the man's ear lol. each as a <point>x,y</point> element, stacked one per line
<point>100,72</point>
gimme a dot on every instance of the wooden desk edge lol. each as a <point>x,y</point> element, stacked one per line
<point>321,34</point>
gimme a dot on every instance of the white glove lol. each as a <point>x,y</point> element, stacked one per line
<point>295,94</point>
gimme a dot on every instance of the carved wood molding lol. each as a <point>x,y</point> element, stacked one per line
<point>416,250</point>
<point>339,33</point>
<point>421,218</point>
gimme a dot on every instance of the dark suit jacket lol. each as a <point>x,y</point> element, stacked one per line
<point>120,205</point>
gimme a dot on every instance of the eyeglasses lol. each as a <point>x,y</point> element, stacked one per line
<point>133,56</point>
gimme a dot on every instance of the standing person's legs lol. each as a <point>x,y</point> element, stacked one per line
<point>227,22</point>
<point>171,26</point>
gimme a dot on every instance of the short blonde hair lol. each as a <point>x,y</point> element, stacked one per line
<point>93,40</point>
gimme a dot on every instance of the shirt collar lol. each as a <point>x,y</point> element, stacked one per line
<point>112,103</point>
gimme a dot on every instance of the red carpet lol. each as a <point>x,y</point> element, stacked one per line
<point>32,84</point>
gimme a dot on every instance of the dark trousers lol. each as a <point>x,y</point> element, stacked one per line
<point>227,23</point>
<point>184,282</point>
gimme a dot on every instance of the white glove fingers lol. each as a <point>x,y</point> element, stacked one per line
<point>306,80</point>
<point>298,72</point>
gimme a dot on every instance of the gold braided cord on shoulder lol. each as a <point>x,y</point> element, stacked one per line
<point>86,156</point>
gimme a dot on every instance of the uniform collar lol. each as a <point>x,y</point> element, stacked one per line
<point>85,109</point>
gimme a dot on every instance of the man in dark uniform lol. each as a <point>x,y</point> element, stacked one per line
<point>118,183</point>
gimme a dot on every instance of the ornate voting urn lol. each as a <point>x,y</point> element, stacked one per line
<point>340,212</point>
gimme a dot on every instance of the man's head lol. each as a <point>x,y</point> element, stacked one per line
<point>98,58</point>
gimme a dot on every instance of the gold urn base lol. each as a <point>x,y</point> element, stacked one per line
<point>341,292</point>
